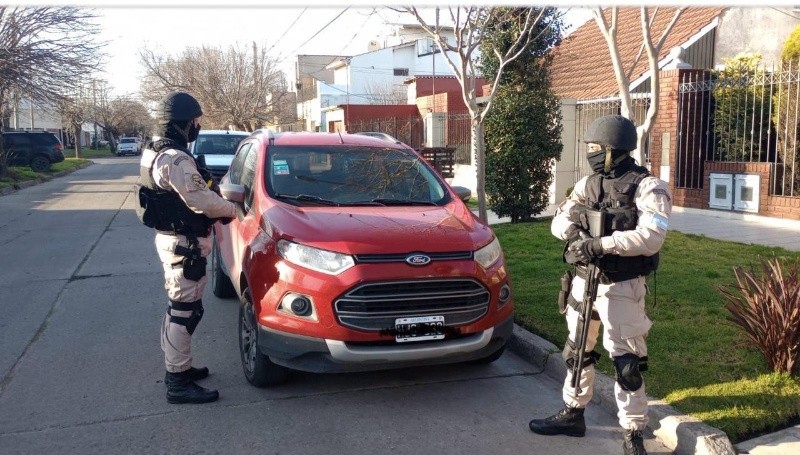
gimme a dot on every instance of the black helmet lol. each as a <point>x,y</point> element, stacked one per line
<point>178,106</point>
<point>614,131</point>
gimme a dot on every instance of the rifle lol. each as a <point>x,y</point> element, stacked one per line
<point>596,224</point>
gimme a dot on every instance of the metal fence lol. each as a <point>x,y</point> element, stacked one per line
<point>588,111</point>
<point>408,130</point>
<point>745,114</point>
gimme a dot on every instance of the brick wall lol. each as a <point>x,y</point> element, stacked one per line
<point>666,128</point>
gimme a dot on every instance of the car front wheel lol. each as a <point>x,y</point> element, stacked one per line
<point>258,368</point>
<point>221,285</point>
<point>40,163</point>
<point>491,357</point>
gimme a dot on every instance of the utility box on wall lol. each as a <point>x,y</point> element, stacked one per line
<point>738,192</point>
<point>435,129</point>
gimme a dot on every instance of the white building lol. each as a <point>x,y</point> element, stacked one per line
<point>374,77</point>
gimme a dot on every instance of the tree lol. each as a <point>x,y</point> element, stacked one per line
<point>607,23</point>
<point>523,130</point>
<point>235,87</point>
<point>469,23</point>
<point>45,53</point>
<point>75,109</point>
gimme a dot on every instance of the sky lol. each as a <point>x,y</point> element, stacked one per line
<point>288,31</point>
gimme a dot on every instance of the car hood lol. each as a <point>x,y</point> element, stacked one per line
<point>373,230</point>
<point>218,160</point>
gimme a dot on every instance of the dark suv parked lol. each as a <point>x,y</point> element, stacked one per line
<point>38,149</point>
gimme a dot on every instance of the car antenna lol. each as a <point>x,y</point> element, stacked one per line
<point>340,137</point>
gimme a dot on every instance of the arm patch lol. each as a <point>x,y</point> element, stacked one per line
<point>198,182</point>
<point>662,192</point>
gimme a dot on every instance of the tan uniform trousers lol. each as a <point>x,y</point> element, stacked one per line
<point>176,341</point>
<point>625,326</point>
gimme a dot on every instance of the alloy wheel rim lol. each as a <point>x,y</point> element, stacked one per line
<point>248,338</point>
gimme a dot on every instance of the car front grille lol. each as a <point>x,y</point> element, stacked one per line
<point>375,306</point>
<point>401,257</point>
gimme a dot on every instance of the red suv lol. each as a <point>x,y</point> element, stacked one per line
<point>350,253</point>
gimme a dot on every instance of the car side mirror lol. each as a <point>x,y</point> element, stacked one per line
<point>463,193</point>
<point>232,192</point>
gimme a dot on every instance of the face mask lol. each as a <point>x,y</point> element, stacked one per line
<point>194,130</point>
<point>597,160</point>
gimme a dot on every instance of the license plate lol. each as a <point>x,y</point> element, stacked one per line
<point>419,328</point>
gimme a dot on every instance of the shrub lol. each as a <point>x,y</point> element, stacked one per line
<point>767,308</point>
<point>741,125</point>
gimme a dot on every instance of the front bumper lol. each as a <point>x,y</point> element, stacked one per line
<point>319,355</point>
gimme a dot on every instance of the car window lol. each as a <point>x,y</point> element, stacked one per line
<point>235,171</point>
<point>248,173</point>
<point>217,144</point>
<point>17,140</point>
<point>127,141</point>
<point>347,175</point>
<point>44,138</point>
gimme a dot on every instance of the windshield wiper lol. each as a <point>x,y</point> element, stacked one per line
<point>386,201</point>
<point>307,198</point>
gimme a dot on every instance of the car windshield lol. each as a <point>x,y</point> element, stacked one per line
<point>127,141</point>
<point>217,144</point>
<point>351,176</point>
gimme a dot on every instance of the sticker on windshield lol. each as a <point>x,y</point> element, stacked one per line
<point>279,167</point>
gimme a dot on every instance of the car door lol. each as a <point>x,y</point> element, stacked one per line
<point>17,148</point>
<point>241,172</point>
<point>247,222</point>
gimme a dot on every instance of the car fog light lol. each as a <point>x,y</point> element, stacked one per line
<point>505,293</point>
<point>300,306</point>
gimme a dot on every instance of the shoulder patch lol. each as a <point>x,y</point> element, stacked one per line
<point>662,192</point>
<point>198,182</point>
<point>179,159</point>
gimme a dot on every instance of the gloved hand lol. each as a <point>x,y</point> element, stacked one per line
<point>575,232</point>
<point>577,214</point>
<point>586,250</point>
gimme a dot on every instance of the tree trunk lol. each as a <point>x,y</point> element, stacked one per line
<point>479,151</point>
<point>77,141</point>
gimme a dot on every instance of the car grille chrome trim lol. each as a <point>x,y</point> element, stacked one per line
<point>343,352</point>
<point>401,257</point>
<point>375,306</point>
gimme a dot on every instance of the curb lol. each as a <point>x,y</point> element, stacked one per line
<point>682,434</point>
<point>29,183</point>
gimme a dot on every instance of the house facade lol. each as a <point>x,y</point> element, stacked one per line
<point>710,160</point>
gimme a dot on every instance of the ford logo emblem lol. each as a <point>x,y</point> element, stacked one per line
<point>418,259</point>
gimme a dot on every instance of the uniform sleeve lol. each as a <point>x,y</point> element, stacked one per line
<point>176,171</point>
<point>561,221</point>
<point>654,206</point>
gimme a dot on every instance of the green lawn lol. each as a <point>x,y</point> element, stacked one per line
<point>18,174</point>
<point>700,363</point>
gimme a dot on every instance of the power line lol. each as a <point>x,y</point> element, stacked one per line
<point>360,29</point>
<point>287,30</point>
<point>315,34</point>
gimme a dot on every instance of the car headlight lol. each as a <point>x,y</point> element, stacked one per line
<point>314,258</point>
<point>489,254</point>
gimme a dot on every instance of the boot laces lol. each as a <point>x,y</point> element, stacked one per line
<point>566,412</point>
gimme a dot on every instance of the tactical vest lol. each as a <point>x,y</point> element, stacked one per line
<point>164,210</point>
<point>616,197</point>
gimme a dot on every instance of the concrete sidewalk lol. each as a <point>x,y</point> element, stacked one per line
<point>683,434</point>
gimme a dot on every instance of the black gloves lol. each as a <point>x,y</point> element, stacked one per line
<point>577,214</point>
<point>586,250</point>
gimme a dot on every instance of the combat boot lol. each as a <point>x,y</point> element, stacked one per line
<point>633,443</point>
<point>568,421</point>
<point>194,374</point>
<point>182,389</point>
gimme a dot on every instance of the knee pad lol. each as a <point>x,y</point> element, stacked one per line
<point>590,358</point>
<point>629,368</point>
<point>190,322</point>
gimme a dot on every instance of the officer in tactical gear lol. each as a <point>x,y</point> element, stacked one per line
<point>175,199</point>
<point>637,207</point>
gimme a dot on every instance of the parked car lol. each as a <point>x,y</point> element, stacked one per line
<point>128,146</point>
<point>350,253</point>
<point>37,149</point>
<point>218,148</point>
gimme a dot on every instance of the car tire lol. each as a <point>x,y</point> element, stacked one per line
<point>221,284</point>
<point>258,368</point>
<point>491,357</point>
<point>40,163</point>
